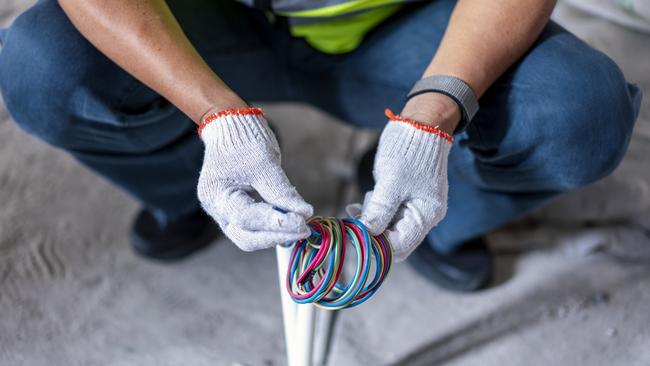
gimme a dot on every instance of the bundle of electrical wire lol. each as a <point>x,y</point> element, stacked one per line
<point>316,264</point>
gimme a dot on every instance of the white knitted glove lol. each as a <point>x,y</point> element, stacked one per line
<point>242,156</point>
<point>410,194</point>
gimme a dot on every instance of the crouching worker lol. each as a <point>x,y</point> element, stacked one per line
<point>122,86</point>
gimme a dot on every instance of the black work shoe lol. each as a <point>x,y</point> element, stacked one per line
<point>467,268</point>
<point>177,240</point>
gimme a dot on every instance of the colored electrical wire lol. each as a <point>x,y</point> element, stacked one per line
<point>316,264</point>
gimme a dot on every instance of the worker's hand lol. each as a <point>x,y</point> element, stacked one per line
<point>242,156</point>
<point>410,194</point>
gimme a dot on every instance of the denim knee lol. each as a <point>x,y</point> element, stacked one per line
<point>55,84</point>
<point>30,69</point>
<point>594,110</point>
<point>578,116</point>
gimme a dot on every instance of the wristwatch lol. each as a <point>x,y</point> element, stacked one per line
<point>453,87</point>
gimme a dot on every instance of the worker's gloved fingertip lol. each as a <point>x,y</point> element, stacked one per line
<point>298,207</point>
<point>305,233</point>
<point>306,210</point>
<point>353,210</point>
<point>372,223</point>
<point>291,222</point>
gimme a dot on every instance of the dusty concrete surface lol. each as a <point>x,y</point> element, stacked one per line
<point>574,277</point>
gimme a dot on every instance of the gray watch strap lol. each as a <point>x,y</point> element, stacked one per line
<point>454,88</point>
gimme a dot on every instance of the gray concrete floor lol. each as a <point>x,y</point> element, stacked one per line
<point>573,278</point>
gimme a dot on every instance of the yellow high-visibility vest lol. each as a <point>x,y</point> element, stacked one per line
<point>331,26</point>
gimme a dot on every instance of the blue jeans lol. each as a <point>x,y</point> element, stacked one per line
<point>560,118</point>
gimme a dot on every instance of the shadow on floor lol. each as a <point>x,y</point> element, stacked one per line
<point>548,302</point>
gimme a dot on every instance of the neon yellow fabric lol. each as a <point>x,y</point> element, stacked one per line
<point>342,8</point>
<point>344,34</point>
